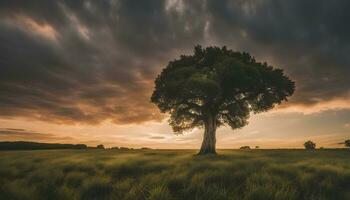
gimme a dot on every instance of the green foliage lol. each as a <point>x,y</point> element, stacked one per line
<point>310,145</point>
<point>174,174</point>
<point>225,84</point>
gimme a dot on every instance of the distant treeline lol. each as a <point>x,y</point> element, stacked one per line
<point>21,145</point>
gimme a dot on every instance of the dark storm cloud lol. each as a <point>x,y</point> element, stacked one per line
<point>310,39</point>
<point>90,61</point>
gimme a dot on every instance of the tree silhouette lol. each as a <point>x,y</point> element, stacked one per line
<point>310,145</point>
<point>217,86</point>
<point>347,143</point>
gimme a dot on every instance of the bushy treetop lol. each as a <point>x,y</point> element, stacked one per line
<point>221,83</point>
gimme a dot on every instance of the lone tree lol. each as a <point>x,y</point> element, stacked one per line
<point>217,86</point>
<point>310,145</point>
<point>347,143</point>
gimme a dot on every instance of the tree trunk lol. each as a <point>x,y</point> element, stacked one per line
<point>209,138</point>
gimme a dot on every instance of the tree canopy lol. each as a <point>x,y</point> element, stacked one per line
<point>218,84</point>
<point>347,143</point>
<point>309,145</point>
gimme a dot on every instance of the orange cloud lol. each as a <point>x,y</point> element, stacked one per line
<point>334,104</point>
<point>41,28</point>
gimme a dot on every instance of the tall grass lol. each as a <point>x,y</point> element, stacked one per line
<point>166,174</point>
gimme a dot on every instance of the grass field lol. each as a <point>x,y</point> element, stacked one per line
<point>170,174</point>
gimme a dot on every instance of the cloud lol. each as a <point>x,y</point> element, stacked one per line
<point>92,61</point>
<point>308,39</point>
<point>13,134</point>
<point>157,137</point>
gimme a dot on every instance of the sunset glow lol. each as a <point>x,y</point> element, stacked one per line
<point>84,71</point>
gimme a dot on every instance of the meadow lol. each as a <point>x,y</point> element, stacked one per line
<point>174,174</point>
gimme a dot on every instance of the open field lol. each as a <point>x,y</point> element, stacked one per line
<point>174,174</point>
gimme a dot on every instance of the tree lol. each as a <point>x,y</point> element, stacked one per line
<point>245,148</point>
<point>347,143</point>
<point>100,146</point>
<point>310,145</point>
<point>216,86</point>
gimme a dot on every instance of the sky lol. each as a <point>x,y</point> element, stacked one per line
<point>83,71</point>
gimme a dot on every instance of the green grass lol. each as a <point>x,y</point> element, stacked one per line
<point>171,174</point>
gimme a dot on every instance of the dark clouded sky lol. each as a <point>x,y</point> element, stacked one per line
<point>84,66</point>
